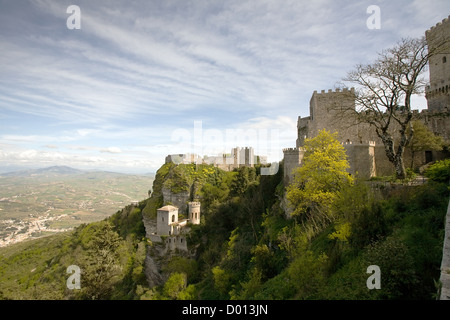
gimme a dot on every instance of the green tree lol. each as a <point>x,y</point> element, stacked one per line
<point>319,179</point>
<point>307,272</point>
<point>245,177</point>
<point>222,281</point>
<point>175,285</point>
<point>423,139</point>
<point>100,265</point>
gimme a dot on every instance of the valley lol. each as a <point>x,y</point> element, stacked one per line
<point>42,202</point>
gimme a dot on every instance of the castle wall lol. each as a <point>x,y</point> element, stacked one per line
<point>368,160</point>
<point>437,122</point>
<point>328,111</point>
<point>176,242</point>
<point>438,40</point>
<point>292,159</point>
<point>361,158</point>
<point>383,166</point>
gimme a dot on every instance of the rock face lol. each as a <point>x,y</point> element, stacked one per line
<point>152,272</point>
<point>174,185</point>
<point>445,265</point>
<point>158,254</point>
<point>150,226</point>
<point>179,200</point>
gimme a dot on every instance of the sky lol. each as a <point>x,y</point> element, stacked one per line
<point>118,85</point>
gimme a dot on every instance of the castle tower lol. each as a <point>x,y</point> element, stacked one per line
<point>236,156</point>
<point>438,40</point>
<point>292,158</point>
<point>327,110</point>
<point>166,217</point>
<point>194,212</point>
<point>248,157</point>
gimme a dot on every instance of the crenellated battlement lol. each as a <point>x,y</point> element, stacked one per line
<point>292,150</point>
<point>444,21</point>
<point>359,143</point>
<point>337,90</point>
<point>337,110</point>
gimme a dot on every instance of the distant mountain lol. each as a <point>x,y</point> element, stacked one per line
<point>54,170</point>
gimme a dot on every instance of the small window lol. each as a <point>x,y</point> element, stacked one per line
<point>444,59</point>
<point>173,218</point>
<point>162,219</point>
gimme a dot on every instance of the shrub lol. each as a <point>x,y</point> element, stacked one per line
<point>398,276</point>
<point>439,171</point>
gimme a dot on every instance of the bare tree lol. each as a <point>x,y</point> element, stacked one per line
<point>383,92</point>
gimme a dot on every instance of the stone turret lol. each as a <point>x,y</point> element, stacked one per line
<point>194,212</point>
<point>292,158</point>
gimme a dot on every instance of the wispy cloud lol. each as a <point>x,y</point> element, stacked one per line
<point>137,71</point>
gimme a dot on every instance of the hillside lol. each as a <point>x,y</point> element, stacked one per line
<point>40,202</point>
<point>245,246</point>
<point>54,170</point>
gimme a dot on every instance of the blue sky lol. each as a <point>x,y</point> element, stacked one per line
<point>143,79</point>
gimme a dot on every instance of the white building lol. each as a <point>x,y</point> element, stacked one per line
<point>172,229</point>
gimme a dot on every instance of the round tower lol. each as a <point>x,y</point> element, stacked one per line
<point>194,212</point>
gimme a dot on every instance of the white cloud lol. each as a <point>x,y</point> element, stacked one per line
<point>40,158</point>
<point>137,71</point>
<point>111,150</point>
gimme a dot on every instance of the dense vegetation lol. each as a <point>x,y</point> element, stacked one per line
<point>246,246</point>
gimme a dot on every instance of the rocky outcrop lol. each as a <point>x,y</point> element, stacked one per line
<point>178,200</point>
<point>445,265</point>
<point>152,272</point>
<point>150,226</point>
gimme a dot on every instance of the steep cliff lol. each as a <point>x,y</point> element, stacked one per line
<point>175,185</point>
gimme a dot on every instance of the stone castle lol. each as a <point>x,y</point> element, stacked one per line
<point>365,150</point>
<point>170,230</point>
<point>238,157</point>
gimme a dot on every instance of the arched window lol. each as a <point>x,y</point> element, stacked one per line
<point>444,59</point>
<point>173,218</point>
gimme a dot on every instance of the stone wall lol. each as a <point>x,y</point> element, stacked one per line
<point>438,38</point>
<point>365,150</point>
<point>361,157</point>
<point>292,159</point>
